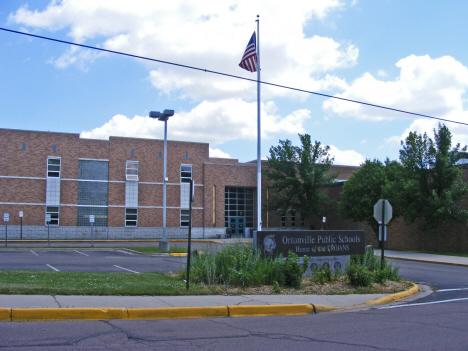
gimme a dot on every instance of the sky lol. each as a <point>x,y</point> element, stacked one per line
<point>406,55</point>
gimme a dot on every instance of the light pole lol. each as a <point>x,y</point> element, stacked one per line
<point>163,244</point>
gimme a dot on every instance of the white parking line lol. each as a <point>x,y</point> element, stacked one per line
<point>55,269</point>
<point>34,253</point>
<point>81,253</point>
<point>445,290</point>
<point>424,303</point>
<point>126,269</point>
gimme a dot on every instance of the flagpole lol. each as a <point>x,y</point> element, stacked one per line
<point>259,132</point>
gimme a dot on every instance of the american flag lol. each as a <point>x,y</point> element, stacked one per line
<point>249,60</point>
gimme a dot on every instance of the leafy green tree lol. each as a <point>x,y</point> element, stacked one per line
<point>375,180</point>
<point>434,189</point>
<point>298,174</point>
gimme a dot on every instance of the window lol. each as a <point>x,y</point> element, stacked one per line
<point>239,202</point>
<point>131,217</point>
<point>184,218</point>
<point>93,190</point>
<point>54,215</point>
<point>283,221</point>
<point>53,167</point>
<point>302,222</point>
<point>293,219</point>
<point>185,173</point>
<point>132,170</point>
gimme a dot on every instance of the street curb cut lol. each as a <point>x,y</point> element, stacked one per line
<point>426,261</point>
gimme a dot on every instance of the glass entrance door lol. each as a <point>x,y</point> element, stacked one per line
<point>237,225</point>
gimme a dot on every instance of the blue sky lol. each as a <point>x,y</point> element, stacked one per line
<point>408,55</point>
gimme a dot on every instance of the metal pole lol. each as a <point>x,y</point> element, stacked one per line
<point>383,236</point>
<point>189,233</point>
<point>163,244</point>
<point>259,136</point>
<point>21,228</point>
<point>6,234</point>
<point>48,233</point>
<point>92,245</point>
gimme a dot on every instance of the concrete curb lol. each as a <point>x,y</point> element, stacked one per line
<point>426,261</point>
<point>53,314</point>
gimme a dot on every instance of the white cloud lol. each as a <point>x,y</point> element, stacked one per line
<point>346,157</point>
<point>207,34</point>
<point>427,86</point>
<point>212,122</point>
<point>423,125</point>
<point>218,153</point>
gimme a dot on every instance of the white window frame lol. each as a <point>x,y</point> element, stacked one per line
<point>131,171</point>
<point>52,217</point>
<point>293,219</point>
<point>283,220</point>
<point>51,167</point>
<point>131,220</point>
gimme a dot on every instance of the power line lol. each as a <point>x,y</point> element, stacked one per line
<point>229,75</point>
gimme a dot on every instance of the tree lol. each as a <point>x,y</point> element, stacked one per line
<point>298,175</point>
<point>375,180</point>
<point>434,189</point>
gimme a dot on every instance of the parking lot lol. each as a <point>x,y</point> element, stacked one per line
<point>88,260</point>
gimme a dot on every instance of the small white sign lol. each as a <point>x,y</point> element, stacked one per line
<point>91,218</point>
<point>47,217</point>
<point>324,219</point>
<point>6,217</point>
<point>21,214</point>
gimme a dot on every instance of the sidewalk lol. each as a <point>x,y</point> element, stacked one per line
<point>424,257</point>
<point>42,308</point>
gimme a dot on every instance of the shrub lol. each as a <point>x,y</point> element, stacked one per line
<point>239,265</point>
<point>363,270</point>
<point>359,275</point>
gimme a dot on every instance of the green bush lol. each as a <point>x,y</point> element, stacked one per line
<point>239,265</point>
<point>363,270</point>
<point>359,275</point>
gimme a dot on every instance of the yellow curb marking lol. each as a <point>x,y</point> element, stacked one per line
<point>269,310</point>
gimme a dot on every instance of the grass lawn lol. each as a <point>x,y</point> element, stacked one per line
<point>156,250</point>
<point>87,283</point>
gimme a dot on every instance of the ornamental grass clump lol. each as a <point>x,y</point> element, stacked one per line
<point>240,265</point>
<point>364,270</point>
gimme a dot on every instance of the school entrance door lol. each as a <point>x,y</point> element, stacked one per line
<point>237,225</point>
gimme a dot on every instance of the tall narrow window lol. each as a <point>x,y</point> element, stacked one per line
<point>184,218</point>
<point>283,220</point>
<point>132,170</point>
<point>131,217</point>
<point>293,219</point>
<point>53,167</point>
<point>302,222</point>
<point>54,215</point>
<point>185,173</point>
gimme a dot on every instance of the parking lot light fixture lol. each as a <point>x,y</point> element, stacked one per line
<point>164,116</point>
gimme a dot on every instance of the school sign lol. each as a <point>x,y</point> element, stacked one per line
<point>311,243</point>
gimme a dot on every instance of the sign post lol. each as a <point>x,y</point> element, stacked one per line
<point>91,221</point>
<point>21,224</point>
<point>48,232</point>
<point>383,212</point>
<point>6,218</point>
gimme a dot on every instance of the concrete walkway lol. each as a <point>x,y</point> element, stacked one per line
<point>424,257</point>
